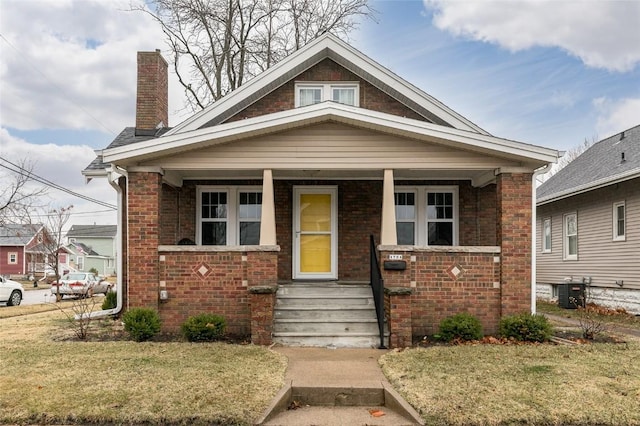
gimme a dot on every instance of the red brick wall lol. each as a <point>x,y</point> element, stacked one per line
<point>144,201</point>
<point>438,294</point>
<point>283,98</point>
<point>514,236</point>
<point>222,290</point>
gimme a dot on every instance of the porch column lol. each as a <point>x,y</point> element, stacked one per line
<point>143,233</point>
<point>388,235</point>
<point>515,240</point>
<point>268,218</point>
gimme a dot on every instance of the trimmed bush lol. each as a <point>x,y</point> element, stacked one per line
<point>110,300</point>
<point>462,326</point>
<point>526,327</point>
<point>141,323</point>
<point>203,328</point>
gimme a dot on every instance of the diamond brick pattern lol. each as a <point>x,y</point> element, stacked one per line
<point>456,271</point>
<point>202,270</point>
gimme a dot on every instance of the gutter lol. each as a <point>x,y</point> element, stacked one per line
<point>113,176</point>
<point>534,233</point>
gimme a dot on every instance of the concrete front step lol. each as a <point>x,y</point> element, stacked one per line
<point>326,326</point>
<point>325,314</point>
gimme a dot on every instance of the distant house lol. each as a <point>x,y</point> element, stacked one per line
<point>91,246</point>
<point>588,217</point>
<point>22,251</point>
<point>270,195</point>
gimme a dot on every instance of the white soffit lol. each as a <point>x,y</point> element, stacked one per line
<point>329,111</point>
<point>323,46</point>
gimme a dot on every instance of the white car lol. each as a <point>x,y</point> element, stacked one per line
<point>83,284</point>
<point>10,292</point>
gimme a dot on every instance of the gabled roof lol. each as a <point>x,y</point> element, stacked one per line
<point>82,249</point>
<point>326,46</point>
<point>18,235</point>
<point>611,160</point>
<point>528,155</point>
<point>94,231</point>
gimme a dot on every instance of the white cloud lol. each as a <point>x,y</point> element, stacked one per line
<point>602,34</point>
<point>62,165</point>
<point>72,64</point>
<point>616,116</point>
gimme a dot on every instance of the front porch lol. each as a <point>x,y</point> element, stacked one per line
<point>486,272</point>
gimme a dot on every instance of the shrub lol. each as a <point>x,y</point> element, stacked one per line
<point>526,327</point>
<point>461,326</point>
<point>110,300</point>
<point>203,328</point>
<point>94,271</point>
<point>141,323</point>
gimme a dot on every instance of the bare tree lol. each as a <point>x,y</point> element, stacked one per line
<point>18,196</point>
<point>53,241</point>
<point>218,44</point>
<point>569,156</point>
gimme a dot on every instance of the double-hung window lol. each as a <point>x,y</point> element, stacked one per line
<point>546,235</point>
<point>570,236</point>
<point>310,93</point>
<point>427,215</point>
<point>619,218</point>
<point>229,215</point>
<point>12,258</point>
<point>406,217</point>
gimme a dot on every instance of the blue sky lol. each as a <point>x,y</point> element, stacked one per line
<point>550,73</point>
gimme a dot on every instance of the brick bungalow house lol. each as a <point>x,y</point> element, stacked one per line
<point>278,186</point>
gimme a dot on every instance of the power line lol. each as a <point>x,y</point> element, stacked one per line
<point>18,169</point>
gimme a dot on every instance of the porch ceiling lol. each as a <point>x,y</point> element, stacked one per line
<point>477,177</point>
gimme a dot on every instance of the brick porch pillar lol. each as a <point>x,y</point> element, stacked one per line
<point>143,207</point>
<point>262,301</point>
<point>514,238</point>
<point>398,306</point>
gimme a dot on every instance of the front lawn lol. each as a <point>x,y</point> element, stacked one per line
<point>48,380</point>
<point>609,316</point>
<point>590,384</point>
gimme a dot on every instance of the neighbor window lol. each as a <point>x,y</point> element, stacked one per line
<point>313,93</point>
<point>80,263</point>
<point>546,235</point>
<point>229,215</point>
<point>619,217</point>
<point>427,215</point>
<point>12,258</point>
<point>571,236</point>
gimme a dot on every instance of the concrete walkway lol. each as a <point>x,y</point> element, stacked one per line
<point>337,387</point>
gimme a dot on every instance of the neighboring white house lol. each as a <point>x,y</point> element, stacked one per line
<point>588,221</point>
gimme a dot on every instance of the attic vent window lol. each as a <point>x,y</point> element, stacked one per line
<point>309,93</point>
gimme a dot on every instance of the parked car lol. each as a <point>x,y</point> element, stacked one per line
<point>84,284</point>
<point>10,292</point>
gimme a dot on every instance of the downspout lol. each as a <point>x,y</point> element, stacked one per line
<point>113,177</point>
<point>534,233</point>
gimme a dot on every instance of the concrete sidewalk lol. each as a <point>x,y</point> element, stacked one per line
<point>337,387</point>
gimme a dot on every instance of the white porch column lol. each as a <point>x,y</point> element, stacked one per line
<point>388,235</point>
<point>268,219</point>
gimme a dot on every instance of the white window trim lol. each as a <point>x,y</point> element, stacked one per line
<point>616,236</point>
<point>9,261</point>
<point>80,263</point>
<point>422,227</point>
<point>547,222</point>
<point>327,87</point>
<point>565,237</point>
<point>232,219</point>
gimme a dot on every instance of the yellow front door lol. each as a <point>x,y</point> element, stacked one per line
<point>315,232</point>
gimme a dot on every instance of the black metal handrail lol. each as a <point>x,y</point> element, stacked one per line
<point>377,285</point>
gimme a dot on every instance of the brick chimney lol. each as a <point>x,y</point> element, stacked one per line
<point>152,99</point>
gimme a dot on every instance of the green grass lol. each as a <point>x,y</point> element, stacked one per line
<point>596,384</point>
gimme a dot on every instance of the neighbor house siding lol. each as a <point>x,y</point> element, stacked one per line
<point>330,146</point>
<point>7,269</point>
<point>599,257</point>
